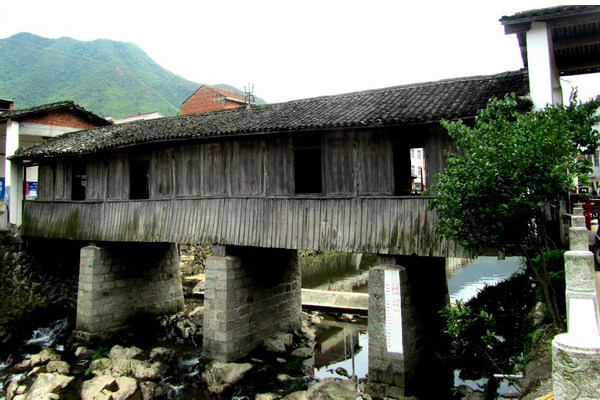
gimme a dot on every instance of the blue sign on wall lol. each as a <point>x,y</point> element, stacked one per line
<point>32,189</point>
<point>2,189</point>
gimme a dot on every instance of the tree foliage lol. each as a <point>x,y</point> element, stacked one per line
<point>510,171</point>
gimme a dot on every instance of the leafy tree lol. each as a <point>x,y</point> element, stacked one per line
<point>512,169</point>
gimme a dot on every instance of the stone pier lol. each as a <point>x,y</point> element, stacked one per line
<point>118,281</point>
<point>250,294</point>
<point>576,354</point>
<point>405,295</point>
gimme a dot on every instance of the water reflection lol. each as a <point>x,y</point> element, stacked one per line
<point>341,272</point>
<point>341,345</point>
<point>344,344</point>
<point>483,271</point>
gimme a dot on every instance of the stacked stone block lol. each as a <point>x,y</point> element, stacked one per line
<point>250,294</point>
<point>423,293</point>
<point>118,281</point>
<point>576,354</point>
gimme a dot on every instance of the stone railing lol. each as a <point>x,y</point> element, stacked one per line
<point>576,354</point>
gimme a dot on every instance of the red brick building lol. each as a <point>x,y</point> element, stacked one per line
<point>211,98</point>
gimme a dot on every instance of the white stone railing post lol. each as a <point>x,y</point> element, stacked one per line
<point>576,354</point>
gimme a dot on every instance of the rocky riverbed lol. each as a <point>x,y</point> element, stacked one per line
<point>170,368</point>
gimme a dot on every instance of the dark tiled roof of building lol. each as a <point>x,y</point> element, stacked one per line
<point>549,13</point>
<point>400,105</point>
<point>26,112</point>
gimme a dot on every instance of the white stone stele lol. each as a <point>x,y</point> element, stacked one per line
<point>393,312</point>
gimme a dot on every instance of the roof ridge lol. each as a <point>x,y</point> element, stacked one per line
<point>404,86</point>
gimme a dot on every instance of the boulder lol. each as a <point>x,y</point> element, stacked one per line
<point>92,389</point>
<point>279,342</point>
<point>120,367</point>
<point>83,352</point>
<point>148,389</point>
<point>303,352</point>
<point>267,396</point>
<point>123,352</point>
<point>328,389</point>
<point>107,387</point>
<point>58,366</point>
<point>162,353</point>
<point>220,376</point>
<point>101,366</point>
<point>46,386</point>
<point>143,370</point>
<point>43,357</point>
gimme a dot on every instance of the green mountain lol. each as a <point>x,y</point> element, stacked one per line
<point>107,77</point>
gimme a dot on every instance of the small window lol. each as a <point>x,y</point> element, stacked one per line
<point>79,180</point>
<point>307,164</point>
<point>139,178</point>
<point>596,160</point>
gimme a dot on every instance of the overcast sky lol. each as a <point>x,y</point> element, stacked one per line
<point>289,49</point>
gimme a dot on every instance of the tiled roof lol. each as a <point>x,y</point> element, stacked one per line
<point>230,94</point>
<point>400,105</point>
<point>26,112</point>
<point>548,13</point>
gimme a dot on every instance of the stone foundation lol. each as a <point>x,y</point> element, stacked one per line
<point>120,280</point>
<point>250,294</point>
<point>402,359</point>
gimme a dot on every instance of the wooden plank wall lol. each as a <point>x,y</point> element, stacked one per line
<point>46,182</point>
<point>241,192</point>
<point>118,176</point>
<point>371,225</point>
<point>63,180</point>
<point>96,171</point>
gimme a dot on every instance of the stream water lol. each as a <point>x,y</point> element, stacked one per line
<point>342,340</point>
<point>345,344</point>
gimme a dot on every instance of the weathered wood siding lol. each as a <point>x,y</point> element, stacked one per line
<point>118,176</point>
<point>46,182</point>
<point>188,170</point>
<point>279,166</point>
<point>376,163</point>
<point>372,225</point>
<point>161,172</point>
<point>216,158</point>
<point>63,180</point>
<point>241,192</point>
<point>96,170</point>
<point>339,163</point>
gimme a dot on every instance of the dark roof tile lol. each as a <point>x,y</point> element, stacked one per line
<point>26,112</point>
<point>399,105</point>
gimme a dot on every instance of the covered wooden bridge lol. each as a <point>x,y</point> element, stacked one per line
<point>329,173</point>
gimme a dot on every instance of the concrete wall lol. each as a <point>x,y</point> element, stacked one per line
<point>251,293</point>
<point>118,281</point>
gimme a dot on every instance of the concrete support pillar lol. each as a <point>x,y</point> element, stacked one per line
<point>576,354</point>
<point>13,174</point>
<point>250,294</point>
<point>405,296</point>
<point>544,83</point>
<point>122,280</point>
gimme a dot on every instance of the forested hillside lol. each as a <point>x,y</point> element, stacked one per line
<point>109,78</point>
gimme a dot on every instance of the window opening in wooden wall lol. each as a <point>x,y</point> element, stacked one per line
<point>307,164</point>
<point>79,180</point>
<point>139,178</point>
<point>406,169</point>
